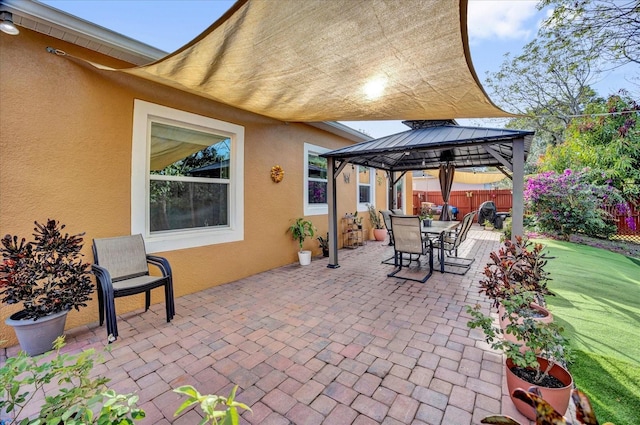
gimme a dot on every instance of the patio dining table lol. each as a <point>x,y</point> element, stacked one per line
<point>439,229</point>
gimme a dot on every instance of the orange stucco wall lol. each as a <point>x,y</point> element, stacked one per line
<point>65,153</point>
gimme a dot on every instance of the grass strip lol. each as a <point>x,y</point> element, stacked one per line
<point>613,386</point>
<point>598,303</point>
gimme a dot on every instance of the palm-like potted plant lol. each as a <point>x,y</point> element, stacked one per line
<point>324,244</point>
<point>48,277</point>
<point>379,232</point>
<point>300,230</point>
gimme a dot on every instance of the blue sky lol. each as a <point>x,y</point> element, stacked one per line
<point>495,28</point>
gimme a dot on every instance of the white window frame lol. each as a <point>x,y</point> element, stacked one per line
<point>362,206</point>
<point>313,209</point>
<point>143,114</point>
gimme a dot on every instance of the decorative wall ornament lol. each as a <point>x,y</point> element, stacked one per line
<point>347,177</point>
<point>277,173</point>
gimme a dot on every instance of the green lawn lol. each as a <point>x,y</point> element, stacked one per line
<point>598,303</point>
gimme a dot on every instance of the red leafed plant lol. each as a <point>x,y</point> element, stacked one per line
<point>47,275</point>
<point>515,268</point>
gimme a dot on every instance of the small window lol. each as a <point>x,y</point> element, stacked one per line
<point>315,186</point>
<point>186,179</point>
<point>366,179</point>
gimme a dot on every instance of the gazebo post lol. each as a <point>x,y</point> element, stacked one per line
<point>333,212</point>
<point>390,190</point>
<point>517,213</point>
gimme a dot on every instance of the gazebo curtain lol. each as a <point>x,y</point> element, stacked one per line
<point>446,181</point>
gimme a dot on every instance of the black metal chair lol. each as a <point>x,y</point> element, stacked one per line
<point>409,239</point>
<point>122,268</point>
<point>452,242</point>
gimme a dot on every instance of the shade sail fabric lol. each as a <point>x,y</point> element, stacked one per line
<point>330,60</point>
<point>446,175</point>
<point>471,178</point>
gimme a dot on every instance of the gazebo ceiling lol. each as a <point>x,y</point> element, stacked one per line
<point>427,148</point>
<point>318,60</point>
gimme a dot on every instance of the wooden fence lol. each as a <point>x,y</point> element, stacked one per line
<point>467,201</point>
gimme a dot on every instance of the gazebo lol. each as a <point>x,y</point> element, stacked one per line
<point>433,145</point>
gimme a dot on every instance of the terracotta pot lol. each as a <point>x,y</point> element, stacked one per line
<point>547,318</point>
<point>558,398</point>
<point>379,234</point>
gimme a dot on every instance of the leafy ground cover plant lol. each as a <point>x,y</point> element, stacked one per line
<point>218,410</point>
<point>46,275</point>
<point>79,399</point>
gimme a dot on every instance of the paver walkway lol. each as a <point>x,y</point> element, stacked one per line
<point>311,345</point>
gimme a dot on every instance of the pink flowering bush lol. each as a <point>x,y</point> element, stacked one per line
<point>568,203</point>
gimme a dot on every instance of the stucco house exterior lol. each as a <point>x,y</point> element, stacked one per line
<point>93,149</point>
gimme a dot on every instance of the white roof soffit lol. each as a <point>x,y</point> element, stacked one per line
<point>48,20</point>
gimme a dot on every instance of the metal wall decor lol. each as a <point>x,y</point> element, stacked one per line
<point>277,173</point>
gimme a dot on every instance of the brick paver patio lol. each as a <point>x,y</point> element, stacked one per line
<point>311,345</point>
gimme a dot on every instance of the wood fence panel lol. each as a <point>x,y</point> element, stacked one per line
<point>467,201</point>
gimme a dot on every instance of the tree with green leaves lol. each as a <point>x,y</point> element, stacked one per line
<point>606,140</point>
<point>546,87</point>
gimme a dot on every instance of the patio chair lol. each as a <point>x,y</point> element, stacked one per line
<point>409,239</point>
<point>452,242</point>
<point>386,218</point>
<point>122,269</point>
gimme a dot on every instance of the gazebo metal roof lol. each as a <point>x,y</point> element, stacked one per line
<point>428,145</point>
<point>427,148</point>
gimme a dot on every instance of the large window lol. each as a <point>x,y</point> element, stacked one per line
<point>315,185</point>
<point>186,178</point>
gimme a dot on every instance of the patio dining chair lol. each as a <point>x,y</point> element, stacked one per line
<point>122,268</point>
<point>452,242</point>
<point>409,239</point>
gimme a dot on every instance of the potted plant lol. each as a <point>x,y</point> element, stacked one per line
<point>300,230</point>
<point>379,232</point>
<point>324,245</point>
<point>357,220</point>
<point>546,414</point>
<point>533,360</point>
<point>426,215</point>
<point>517,267</point>
<point>488,225</point>
<point>48,277</point>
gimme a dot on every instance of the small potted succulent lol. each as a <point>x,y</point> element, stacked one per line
<point>48,277</point>
<point>300,230</point>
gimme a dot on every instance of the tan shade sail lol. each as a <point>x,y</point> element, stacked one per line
<point>334,60</point>
<point>472,178</point>
<point>170,144</point>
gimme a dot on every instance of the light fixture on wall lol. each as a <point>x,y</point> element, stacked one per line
<point>6,24</point>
